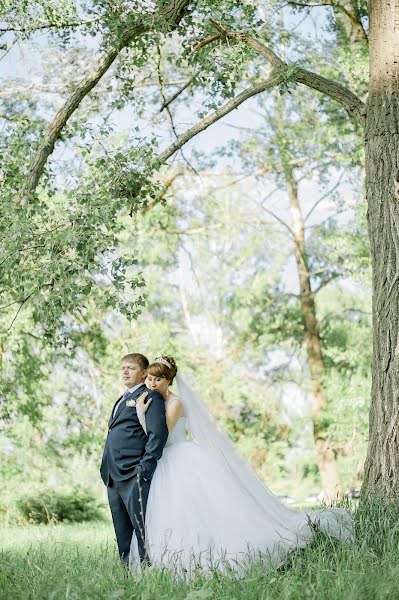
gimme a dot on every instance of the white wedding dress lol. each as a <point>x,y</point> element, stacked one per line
<point>207,508</point>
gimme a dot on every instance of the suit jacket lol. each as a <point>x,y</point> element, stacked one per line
<point>128,450</point>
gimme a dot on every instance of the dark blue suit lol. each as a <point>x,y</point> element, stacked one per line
<point>128,464</point>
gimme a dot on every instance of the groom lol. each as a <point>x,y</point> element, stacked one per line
<point>130,456</point>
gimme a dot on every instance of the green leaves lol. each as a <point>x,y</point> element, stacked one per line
<point>52,506</point>
<point>57,251</point>
<point>26,17</point>
<point>105,236</point>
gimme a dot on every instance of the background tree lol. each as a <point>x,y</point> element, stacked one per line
<point>290,151</point>
<point>238,45</point>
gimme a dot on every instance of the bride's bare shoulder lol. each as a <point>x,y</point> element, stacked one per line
<point>174,404</point>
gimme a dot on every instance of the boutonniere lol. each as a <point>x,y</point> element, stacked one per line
<point>130,402</point>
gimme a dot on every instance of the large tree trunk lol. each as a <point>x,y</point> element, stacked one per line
<point>324,451</point>
<point>382,167</point>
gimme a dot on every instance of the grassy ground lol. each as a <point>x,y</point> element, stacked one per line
<point>80,561</point>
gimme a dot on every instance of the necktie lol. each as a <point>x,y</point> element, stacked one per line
<point>120,402</point>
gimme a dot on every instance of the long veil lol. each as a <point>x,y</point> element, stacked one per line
<point>205,431</point>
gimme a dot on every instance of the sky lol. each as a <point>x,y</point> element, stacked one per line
<point>28,63</point>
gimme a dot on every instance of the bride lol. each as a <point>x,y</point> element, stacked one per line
<point>206,507</point>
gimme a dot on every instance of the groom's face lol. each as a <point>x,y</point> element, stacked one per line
<point>131,373</point>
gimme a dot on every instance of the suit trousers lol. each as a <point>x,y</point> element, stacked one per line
<point>128,503</point>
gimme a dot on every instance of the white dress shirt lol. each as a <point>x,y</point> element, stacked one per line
<point>124,396</point>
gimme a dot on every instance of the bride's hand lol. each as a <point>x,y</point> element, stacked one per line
<point>141,403</point>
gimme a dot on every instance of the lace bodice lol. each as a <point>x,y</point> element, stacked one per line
<point>178,433</point>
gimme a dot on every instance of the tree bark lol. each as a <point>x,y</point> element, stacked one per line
<point>324,450</point>
<point>350,102</point>
<point>382,168</point>
<point>347,17</point>
<point>346,14</point>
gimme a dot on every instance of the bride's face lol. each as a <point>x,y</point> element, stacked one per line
<point>160,384</point>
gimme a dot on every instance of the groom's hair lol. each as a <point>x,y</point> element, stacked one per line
<point>139,359</point>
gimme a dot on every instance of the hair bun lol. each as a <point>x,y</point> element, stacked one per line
<point>172,363</point>
<point>163,366</point>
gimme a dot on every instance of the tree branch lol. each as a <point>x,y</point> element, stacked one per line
<point>307,4</point>
<point>50,26</point>
<point>8,117</point>
<point>9,48</point>
<point>169,101</point>
<point>168,111</point>
<point>204,43</point>
<point>352,15</point>
<point>172,13</point>
<point>327,281</point>
<point>280,72</point>
<point>168,184</point>
<point>261,49</point>
<point>271,82</point>
<point>204,229</point>
<point>347,99</point>
<point>267,84</point>
<point>328,193</point>
<point>19,309</point>
<point>281,221</point>
<point>352,104</point>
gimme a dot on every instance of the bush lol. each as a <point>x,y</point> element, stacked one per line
<point>55,507</point>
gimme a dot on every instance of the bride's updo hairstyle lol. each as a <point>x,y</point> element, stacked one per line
<point>163,366</point>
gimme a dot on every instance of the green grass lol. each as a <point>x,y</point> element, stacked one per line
<point>80,561</point>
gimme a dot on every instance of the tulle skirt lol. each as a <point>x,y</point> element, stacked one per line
<point>199,516</point>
